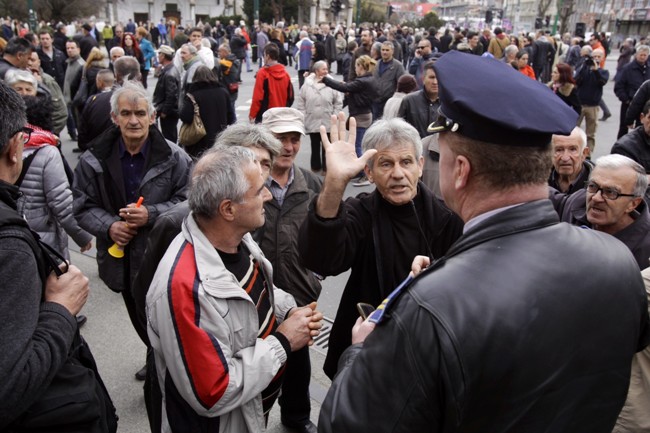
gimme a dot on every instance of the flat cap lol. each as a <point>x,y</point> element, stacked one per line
<point>166,49</point>
<point>487,100</point>
<point>282,119</point>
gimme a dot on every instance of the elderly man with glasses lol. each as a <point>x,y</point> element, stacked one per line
<point>612,202</point>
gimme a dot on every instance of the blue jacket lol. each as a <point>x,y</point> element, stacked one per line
<point>147,52</point>
<point>304,55</point>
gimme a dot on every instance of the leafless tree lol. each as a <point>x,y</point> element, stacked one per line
<point>542,7</point>
<point>566,8</point>
<point>52,10</point>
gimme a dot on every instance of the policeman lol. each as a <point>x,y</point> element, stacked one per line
<point>499,334</point>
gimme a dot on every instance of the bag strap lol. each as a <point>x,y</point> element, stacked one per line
<point>194,103</point>
<point>26,163</point>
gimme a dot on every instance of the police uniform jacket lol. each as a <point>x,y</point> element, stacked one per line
<point>518,283</point>
<point>359,238</point>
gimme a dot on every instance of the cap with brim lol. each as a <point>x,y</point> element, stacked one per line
<point>280,120</point>
<point>166,49</point>
<point>487,100</point>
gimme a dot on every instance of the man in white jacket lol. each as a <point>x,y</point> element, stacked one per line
<point>220,330</point>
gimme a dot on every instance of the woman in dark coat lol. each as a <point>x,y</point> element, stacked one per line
<point>360,94</point>
<point>215,108</point>
<point>275,38</point>
<point>564,86</point>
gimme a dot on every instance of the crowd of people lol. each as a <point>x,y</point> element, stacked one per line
<point>472,243</point>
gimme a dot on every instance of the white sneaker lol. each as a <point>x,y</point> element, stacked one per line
<point>362,181</point>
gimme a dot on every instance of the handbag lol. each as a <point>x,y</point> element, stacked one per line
<point>192,133</point>
<point>81,96</point>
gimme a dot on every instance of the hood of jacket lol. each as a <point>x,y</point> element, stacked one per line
<point>276,72</point>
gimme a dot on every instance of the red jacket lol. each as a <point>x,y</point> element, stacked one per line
<point>273,88</point>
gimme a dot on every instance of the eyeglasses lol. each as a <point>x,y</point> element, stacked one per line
<point>27,134</point>
<point>422,47</point>
<point>608,193</point>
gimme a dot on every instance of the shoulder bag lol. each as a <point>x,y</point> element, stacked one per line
<point>192,133</point>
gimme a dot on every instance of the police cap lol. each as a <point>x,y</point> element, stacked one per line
<point>487,100</point>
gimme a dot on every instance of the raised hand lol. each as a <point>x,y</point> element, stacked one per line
<point>343,163</point>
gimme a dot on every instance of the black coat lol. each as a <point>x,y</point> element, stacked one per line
<point>629,79</point>
<point>55,66</point>
<point>519,328</point>
<point>165,95</point>
<point>238,46</point>
<point>360,92</point>
<point>635,145</point>
<point>332,246</point>
<point>215,110</point>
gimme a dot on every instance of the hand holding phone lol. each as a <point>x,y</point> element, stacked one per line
<point>365,310</point>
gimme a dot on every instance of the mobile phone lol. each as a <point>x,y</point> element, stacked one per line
<point>365,310</point>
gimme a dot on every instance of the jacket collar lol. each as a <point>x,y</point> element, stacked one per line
<point>215,278</point>
<point>525,217</point>
<point>9,194</point>
<point>104,145</point>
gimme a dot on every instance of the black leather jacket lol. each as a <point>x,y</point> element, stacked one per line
<point>526,325</point>
<point>165,95</point>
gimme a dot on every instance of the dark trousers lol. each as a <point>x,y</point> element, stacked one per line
<point>145,74</point>
<point>301,77</point>
<point>71,123</point>
<point>317,152</point>
<point>622,127</point>
<point>169,128</point>
<point>295,405</point>
<point>603,106</point>
<point>152,394</point>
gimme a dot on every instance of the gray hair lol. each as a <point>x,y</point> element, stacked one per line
<point>303,34</point>
<point>615,161</point>
<point>12,115</point>
<point>127,68</point>
<point>133,91</point>
<point>219,175</point>
<point>645,48</point>
<point>578,134</point>
<point>391,133</point>
<point>191,48</point>
<point>586,49</point>
<point>319,64</point>
<point>248,135</point>
<point>224,47</point>
<point>14,76</point>
<point>116,50</point>
<point>511,49</point>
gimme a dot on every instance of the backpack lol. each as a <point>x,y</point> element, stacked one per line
<point>76,401</point>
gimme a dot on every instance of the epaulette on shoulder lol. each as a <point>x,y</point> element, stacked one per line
<point>379,315</point>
